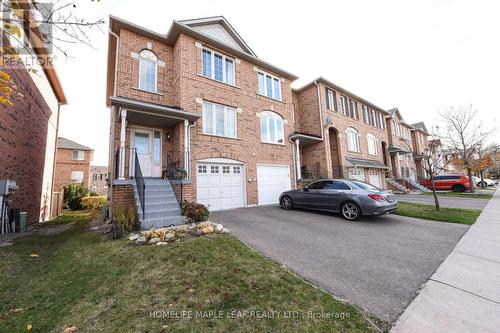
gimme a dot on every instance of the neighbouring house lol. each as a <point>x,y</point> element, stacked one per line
<point>420,139</point>
<point>28,128</point>
<point>197,116</point>
<point>72,164</point>
<point>195,106</point>
<point>99,179</point>
<point>339,134</point>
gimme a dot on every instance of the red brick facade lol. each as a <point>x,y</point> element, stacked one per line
<point>23,138</point>
<point>66,164</point>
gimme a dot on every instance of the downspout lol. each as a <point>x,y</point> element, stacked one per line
<point>55,158</point>
<point>111,153</point>
<point>320,109</point>
<point>189,148</point>
<point>294,162</point>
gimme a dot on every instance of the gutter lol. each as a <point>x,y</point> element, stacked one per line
<point>55,158</point>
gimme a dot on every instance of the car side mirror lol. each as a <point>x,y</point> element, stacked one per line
<point>306,189</point>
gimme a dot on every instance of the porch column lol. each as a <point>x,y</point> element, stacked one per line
<point>186,147</point>
<point>299,172</point>
<point>121,172</point>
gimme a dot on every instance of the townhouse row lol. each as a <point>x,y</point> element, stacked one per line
<point>198,107</point>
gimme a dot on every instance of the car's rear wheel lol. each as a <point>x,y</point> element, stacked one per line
<point>482,184</point>
<point>286,202</point>
<point>350,211</point>
<point>459,188</point>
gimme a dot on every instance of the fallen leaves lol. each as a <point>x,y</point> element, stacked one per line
<point>34,255</point>
<point>70,329</point>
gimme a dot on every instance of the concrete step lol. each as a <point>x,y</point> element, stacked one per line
<point>159,213</point>
<point>154,206</point>
<point>159,199</point>
<point>162,222</point>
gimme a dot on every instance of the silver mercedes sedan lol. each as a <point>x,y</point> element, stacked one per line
<point>352,198</point>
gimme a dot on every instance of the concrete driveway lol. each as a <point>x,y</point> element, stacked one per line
<point>378,263</point>
<point>450,202</point>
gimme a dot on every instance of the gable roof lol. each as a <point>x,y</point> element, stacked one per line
<point>420,126</point>
<point>217,27</point>
<point>341,90</point>
<point>64,143</point>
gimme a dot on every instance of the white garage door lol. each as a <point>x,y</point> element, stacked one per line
<point>374,178</point>
<point>220,186</point>
<point>272,181</point>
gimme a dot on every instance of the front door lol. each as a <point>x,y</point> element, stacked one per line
<point>147,144</point>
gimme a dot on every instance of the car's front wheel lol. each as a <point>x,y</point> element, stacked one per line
<point>459,188</point>
<point>286,202</point>
<point>350,211</point>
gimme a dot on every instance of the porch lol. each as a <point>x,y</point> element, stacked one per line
<point>151,146</point>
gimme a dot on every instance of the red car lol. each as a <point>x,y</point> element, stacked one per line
<point>457,183</point>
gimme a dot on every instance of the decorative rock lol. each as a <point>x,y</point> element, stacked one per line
<point>218,227</point>
<point>154,240</point>
<point>196,232</point>
<point>133,237</point>
<point>225,231</point>
<point>208,229</point>
<point>169,237</point>
<point>141,239</point>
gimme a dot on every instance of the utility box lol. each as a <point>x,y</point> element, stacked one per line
<point>23,218</point>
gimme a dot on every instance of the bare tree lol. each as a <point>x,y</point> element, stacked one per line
<point>28,24</point>
<point>434,161</point>
<point>464,134</point>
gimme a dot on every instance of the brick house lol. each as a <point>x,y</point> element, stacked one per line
<point>339,134</point>
<point>420,138</point>
<point>28,128</point>
<point>72,164</point>
<point>99,179</point>
<point>195,106</point>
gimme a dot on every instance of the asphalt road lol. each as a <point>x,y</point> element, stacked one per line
<point>450,202</point>
<point>378,263</point>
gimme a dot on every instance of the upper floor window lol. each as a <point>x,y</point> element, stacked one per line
<point>372,117</point>
<point>219,120</point>
<point>343,104</point>
<point>217,66</point>
<point>78,155</point>
<point>353,109</point>
<point>269,85</point>
<point>372,144</point>
<point>271,127</point>
<point>147,70</point>
<point>331,99</point>
<point>352,140</point>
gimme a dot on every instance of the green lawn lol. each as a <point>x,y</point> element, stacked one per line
<point>462,195</point>
<point>80,216</point>
<point>428,212</point>
<point>101,285</point>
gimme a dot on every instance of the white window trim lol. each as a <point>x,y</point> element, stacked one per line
<point>371,137</point>
<point>212,73</point>
<point>78,155</point>
<point>74,179</point>
<point>213,120</point>
<point>357,145</point>
<point>273,77</point>
<point>155,90</point>
<point>330,96</point>
<point>345,106</point>
<point>268,118</point>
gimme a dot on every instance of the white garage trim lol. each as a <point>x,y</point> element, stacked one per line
<point>262,200</point>
<point>208,181</point>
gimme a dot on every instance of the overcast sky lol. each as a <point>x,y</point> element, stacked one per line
<point>419,56</point>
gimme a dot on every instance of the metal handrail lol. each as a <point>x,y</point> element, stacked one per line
<point>139,182</point>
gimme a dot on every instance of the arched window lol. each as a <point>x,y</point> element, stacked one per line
<point>147,70</point>
<point>372,144</point>
<point>352,139</point>
<point>271,127</point>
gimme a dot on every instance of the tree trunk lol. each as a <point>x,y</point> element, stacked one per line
<point>482,180</point>
<point>471,182</point>
<point>436,200</point>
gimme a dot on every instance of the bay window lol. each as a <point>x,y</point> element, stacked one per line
<point>271,127</point>
<point>219,119</point>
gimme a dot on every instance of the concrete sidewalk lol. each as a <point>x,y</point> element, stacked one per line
<point>463,295</point>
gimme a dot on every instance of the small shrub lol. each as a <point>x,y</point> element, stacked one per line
<point>124,221</point>
<point>92,202</point>
<point>195,212</point>
<point>93,194</point>
<point>73,193</point>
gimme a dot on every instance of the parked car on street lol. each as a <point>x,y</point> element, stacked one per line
<point>485,182</point>
<point>457,183</point>
<point>351,198</point>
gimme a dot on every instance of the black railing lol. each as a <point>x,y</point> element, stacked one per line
<point>117,164</point>
<point>139,182</point>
